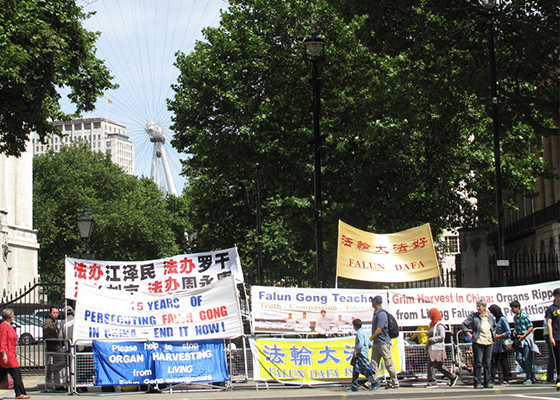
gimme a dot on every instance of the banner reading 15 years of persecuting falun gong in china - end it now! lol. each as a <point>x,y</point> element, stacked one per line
<point>396,257</point>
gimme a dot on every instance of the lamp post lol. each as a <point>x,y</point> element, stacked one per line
<point>257,195</point>
<point>502,262</point>
<point>85,225</point>
<point>315,53</point>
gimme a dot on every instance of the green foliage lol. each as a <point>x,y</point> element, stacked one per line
<point>43,47</point>
<point>408,137</point>
<point>131,221</point>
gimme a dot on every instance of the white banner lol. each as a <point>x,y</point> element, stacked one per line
<point>211,312</point>
<point>277,309</point>
<point>187,271</point>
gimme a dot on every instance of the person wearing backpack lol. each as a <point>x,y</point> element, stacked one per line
<point>435,347</point>
<point>382,342</point>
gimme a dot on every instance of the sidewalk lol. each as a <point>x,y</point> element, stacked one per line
<point>409,389</point>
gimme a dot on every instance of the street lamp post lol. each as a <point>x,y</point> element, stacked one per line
<point>85,225</point>
<point>315,53</point>
<point>257,195</point>
<point>502,262</point>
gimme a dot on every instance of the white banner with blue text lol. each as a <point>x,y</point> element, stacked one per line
<point>182,272</point>
<point>149,363</point>
<point>319,311</point>
<point>211,312</point>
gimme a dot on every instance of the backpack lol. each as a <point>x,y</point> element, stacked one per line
<point>393,326</point>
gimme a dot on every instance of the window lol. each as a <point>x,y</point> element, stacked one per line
<point>108,144</point>
<point>78,126</point>
<point>452,243</point>
<point>96,125</point>
<point>87,125</point>
<point>68,127</point>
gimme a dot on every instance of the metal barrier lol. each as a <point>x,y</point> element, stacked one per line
<point>465,357</point>
<point>57,365</point>
<point>416,356</point>
<point>240,360</point>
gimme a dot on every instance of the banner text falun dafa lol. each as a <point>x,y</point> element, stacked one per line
<point>396,257</point>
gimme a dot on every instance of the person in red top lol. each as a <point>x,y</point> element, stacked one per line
<point>8,360</point>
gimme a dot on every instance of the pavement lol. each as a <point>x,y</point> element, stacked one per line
<point>410,388</point>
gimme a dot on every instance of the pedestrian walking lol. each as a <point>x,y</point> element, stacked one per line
<point>8,360</point>
<point>435,347</point>
<point>382,342</point>
<point>480,327</point>
<point>360,359</point>
<point>552,315</point>
<point>550,362</point>
<point>524,341</point>
<point>499,354</point>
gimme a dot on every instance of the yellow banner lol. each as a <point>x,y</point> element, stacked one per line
<point>396,257</point>
<point>308,361</point>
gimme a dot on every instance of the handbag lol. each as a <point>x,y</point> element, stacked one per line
<point>7,383</point>
<point>508,344</point>
<point>353,360</point>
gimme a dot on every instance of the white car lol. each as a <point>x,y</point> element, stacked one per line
<point>28,328</point>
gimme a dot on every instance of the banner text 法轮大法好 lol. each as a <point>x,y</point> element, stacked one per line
<point>395,257</point>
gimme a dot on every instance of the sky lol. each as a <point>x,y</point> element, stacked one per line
<point>139,39</point>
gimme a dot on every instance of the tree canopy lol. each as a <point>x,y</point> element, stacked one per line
<point>407,134</point>
<point>44,48</point>
<point>132,219</point>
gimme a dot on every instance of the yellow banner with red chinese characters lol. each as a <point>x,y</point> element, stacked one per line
<point>311,361</point>
<point>395,257</point>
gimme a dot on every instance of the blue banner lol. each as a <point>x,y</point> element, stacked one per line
<point>133,363</point>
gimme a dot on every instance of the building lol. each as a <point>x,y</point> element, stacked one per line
<point>102,134</point>
<point>531,233</point>
<point>18,239</point>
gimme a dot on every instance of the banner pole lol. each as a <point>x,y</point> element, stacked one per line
<point>387,295</point>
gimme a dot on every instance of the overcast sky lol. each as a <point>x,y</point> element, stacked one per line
<point>138,42</point>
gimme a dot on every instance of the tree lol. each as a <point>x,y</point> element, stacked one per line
<point>131,222</point>
<point>448,44</point>
<point>398,148</point>
<point>44,48</point>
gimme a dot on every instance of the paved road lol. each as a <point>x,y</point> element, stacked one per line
<point>249,391</point>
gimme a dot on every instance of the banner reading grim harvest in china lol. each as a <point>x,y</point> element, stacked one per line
<point>396,257</point>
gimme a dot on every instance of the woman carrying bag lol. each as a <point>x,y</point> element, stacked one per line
<point>436,350</point>
<point>502,344</point>
<point>8,360</point>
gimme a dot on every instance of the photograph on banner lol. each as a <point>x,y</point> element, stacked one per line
<point>312,311</point>
<point>181,272</point>
<point>149,363</point>
<point>205,313</point>
<point>395,257</point>
<point>309,361</point>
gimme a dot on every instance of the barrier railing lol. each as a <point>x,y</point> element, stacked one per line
<point>79,371</point>
<point>416,357</point>
<point>58,364</point>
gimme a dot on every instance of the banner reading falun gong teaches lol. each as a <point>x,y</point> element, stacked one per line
<point>310,361</point>
<point>396,257</point>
